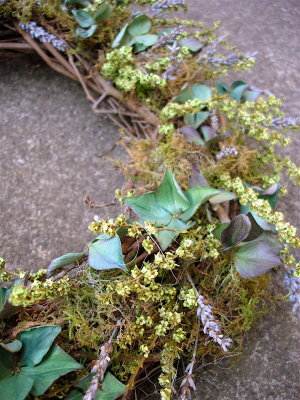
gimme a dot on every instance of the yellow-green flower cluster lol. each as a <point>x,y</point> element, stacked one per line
<point>107,226</point>
<point>148,245</point>
<point>173,110</point>
<point>168,356</point>
<point>25,296</point>
<point>189,297</point>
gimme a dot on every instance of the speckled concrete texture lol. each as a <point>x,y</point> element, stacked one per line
<point>52,155</point>
<point>49,142</point>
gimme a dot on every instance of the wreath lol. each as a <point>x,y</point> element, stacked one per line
<point>184,270</point>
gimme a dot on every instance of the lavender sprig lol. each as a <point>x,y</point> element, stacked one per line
<point>226,151</point>
<point>287,122</point>
<point>211,326</point>
<point>37,32</point>
<point>188,384</point>
<point>292,283</point>
<point>159,8</point>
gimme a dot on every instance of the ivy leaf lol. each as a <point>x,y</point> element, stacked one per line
<point>237,231</point>
<point>56,363</point>
<point>6,308</point>
<point>147,209</point>
<point>86,33</point>
<point>251,95</point>
<point>218,138</point>
<point>169,195</point>
<point>111,388</point>
<point>191,43</point>
<point>192,135</point>
<point>238,89</point>
<point>222,196</point>
<point>103,13</point>
<point>217,232</point>
<point>84,19</point>
<point>36,343</point>
<point>197,197</point>
<point>15,387</point>
<point>105,252</point>
<point>194,91</point>
<point>12,347</point>
<point>146,40</point>
<point>6,363</point>
<point>63,261</point>
<point>195,120</point>
<point>120,37</point>
<point>165,238</point>
<point>222,88</point>
<point>255,258</point>
<point>139,25</point>
<point>208,133</point>
<point>197,179</point>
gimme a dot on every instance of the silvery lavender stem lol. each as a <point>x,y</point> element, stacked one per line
<point>231,59</point>
<point>292,283</point>
<point>226,151</point>
<point>160,7</point>
<point>188,384</point>
<point>211,326</point>
<point>37,32</point>
<point>168,37</point>
<point>287,122</point>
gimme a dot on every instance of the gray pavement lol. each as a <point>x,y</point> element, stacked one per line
<point>49,147</point>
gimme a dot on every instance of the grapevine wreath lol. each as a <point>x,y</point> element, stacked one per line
<point>184,271</point>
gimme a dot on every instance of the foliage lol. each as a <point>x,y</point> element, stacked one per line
<point>188,276</point>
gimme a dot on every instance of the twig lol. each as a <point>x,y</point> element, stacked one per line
<point>101,365</point>
<point>97,102</point>
<point>221,213</point>
<point>81,80</point>
<point>92,204</point>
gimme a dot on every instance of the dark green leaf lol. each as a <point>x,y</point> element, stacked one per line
<point>197,197</point>
<point>7,309</point>
<point>56,363</point>
<point>6,363</point>
<point>218,138</point>
<point>139,25</point>
<point>192,135</point>
<point>208,133</point>
<point>36,343</point>
<point>111,388</point>
<point>256,229</point>
<point>239,88</point>
<point>195,120</point>
<point>15,387</point>
<point>63,261</point>
<point>219,229</point>
<point>105,252</point>
<point>169,195</point>
<point>84,19</point>
<point>194,91</point>
<point>237,231</point>
<point>12,347</point>
<point>255,258</point>
<point>222,88</point>
<point>191,43</point>
<point>103,13</point>
<point>86,33</point>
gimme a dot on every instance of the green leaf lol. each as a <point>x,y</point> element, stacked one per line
<point>218,138</point>
<point>105,252</point>
<point>192,135</point>
<point>219,229</point>
<point>222,88</point>
<point>165,238</point>
<point>237,231</point>
<point>36,343</point>
<point>63,261</point>
<point>146,40</point>
<point>197,179</point>
<point>169,195</point>
<point>7,309</point>
<point>194,91</point>
<point>251,95</point>
<point>111,388</point>
<point>147,209</point>
<point>195,120</point>
<point>139,25</point>
<point>222,196</point>
<point>208,133</point>
<point>255,258</point>
<point>15,387</point>
<point>84,19</point>
<point>56,363</point>
<point>86,33</point>
<point>103,13</point>
<point>12,347</point>
<point>6,363</point>
<point>191,43</point>
<point>238,89</point>
<point>197,197</point>
<point>120,37</point>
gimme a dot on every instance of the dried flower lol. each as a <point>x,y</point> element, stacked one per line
<point>211,326</point>
<point>37,32</point>
<point>226,151</point>
<point>292,283</point>
<point>160,7</point>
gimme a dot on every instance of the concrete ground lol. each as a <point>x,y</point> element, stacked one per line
<point>51,157</point>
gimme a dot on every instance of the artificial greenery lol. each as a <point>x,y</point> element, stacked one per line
<point>183,272</point>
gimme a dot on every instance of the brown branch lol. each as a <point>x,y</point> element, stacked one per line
<point>81,80</point>
<point>92,204</point>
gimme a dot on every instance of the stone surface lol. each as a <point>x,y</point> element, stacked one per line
<point>52,155</point>
<point>49,139</point>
